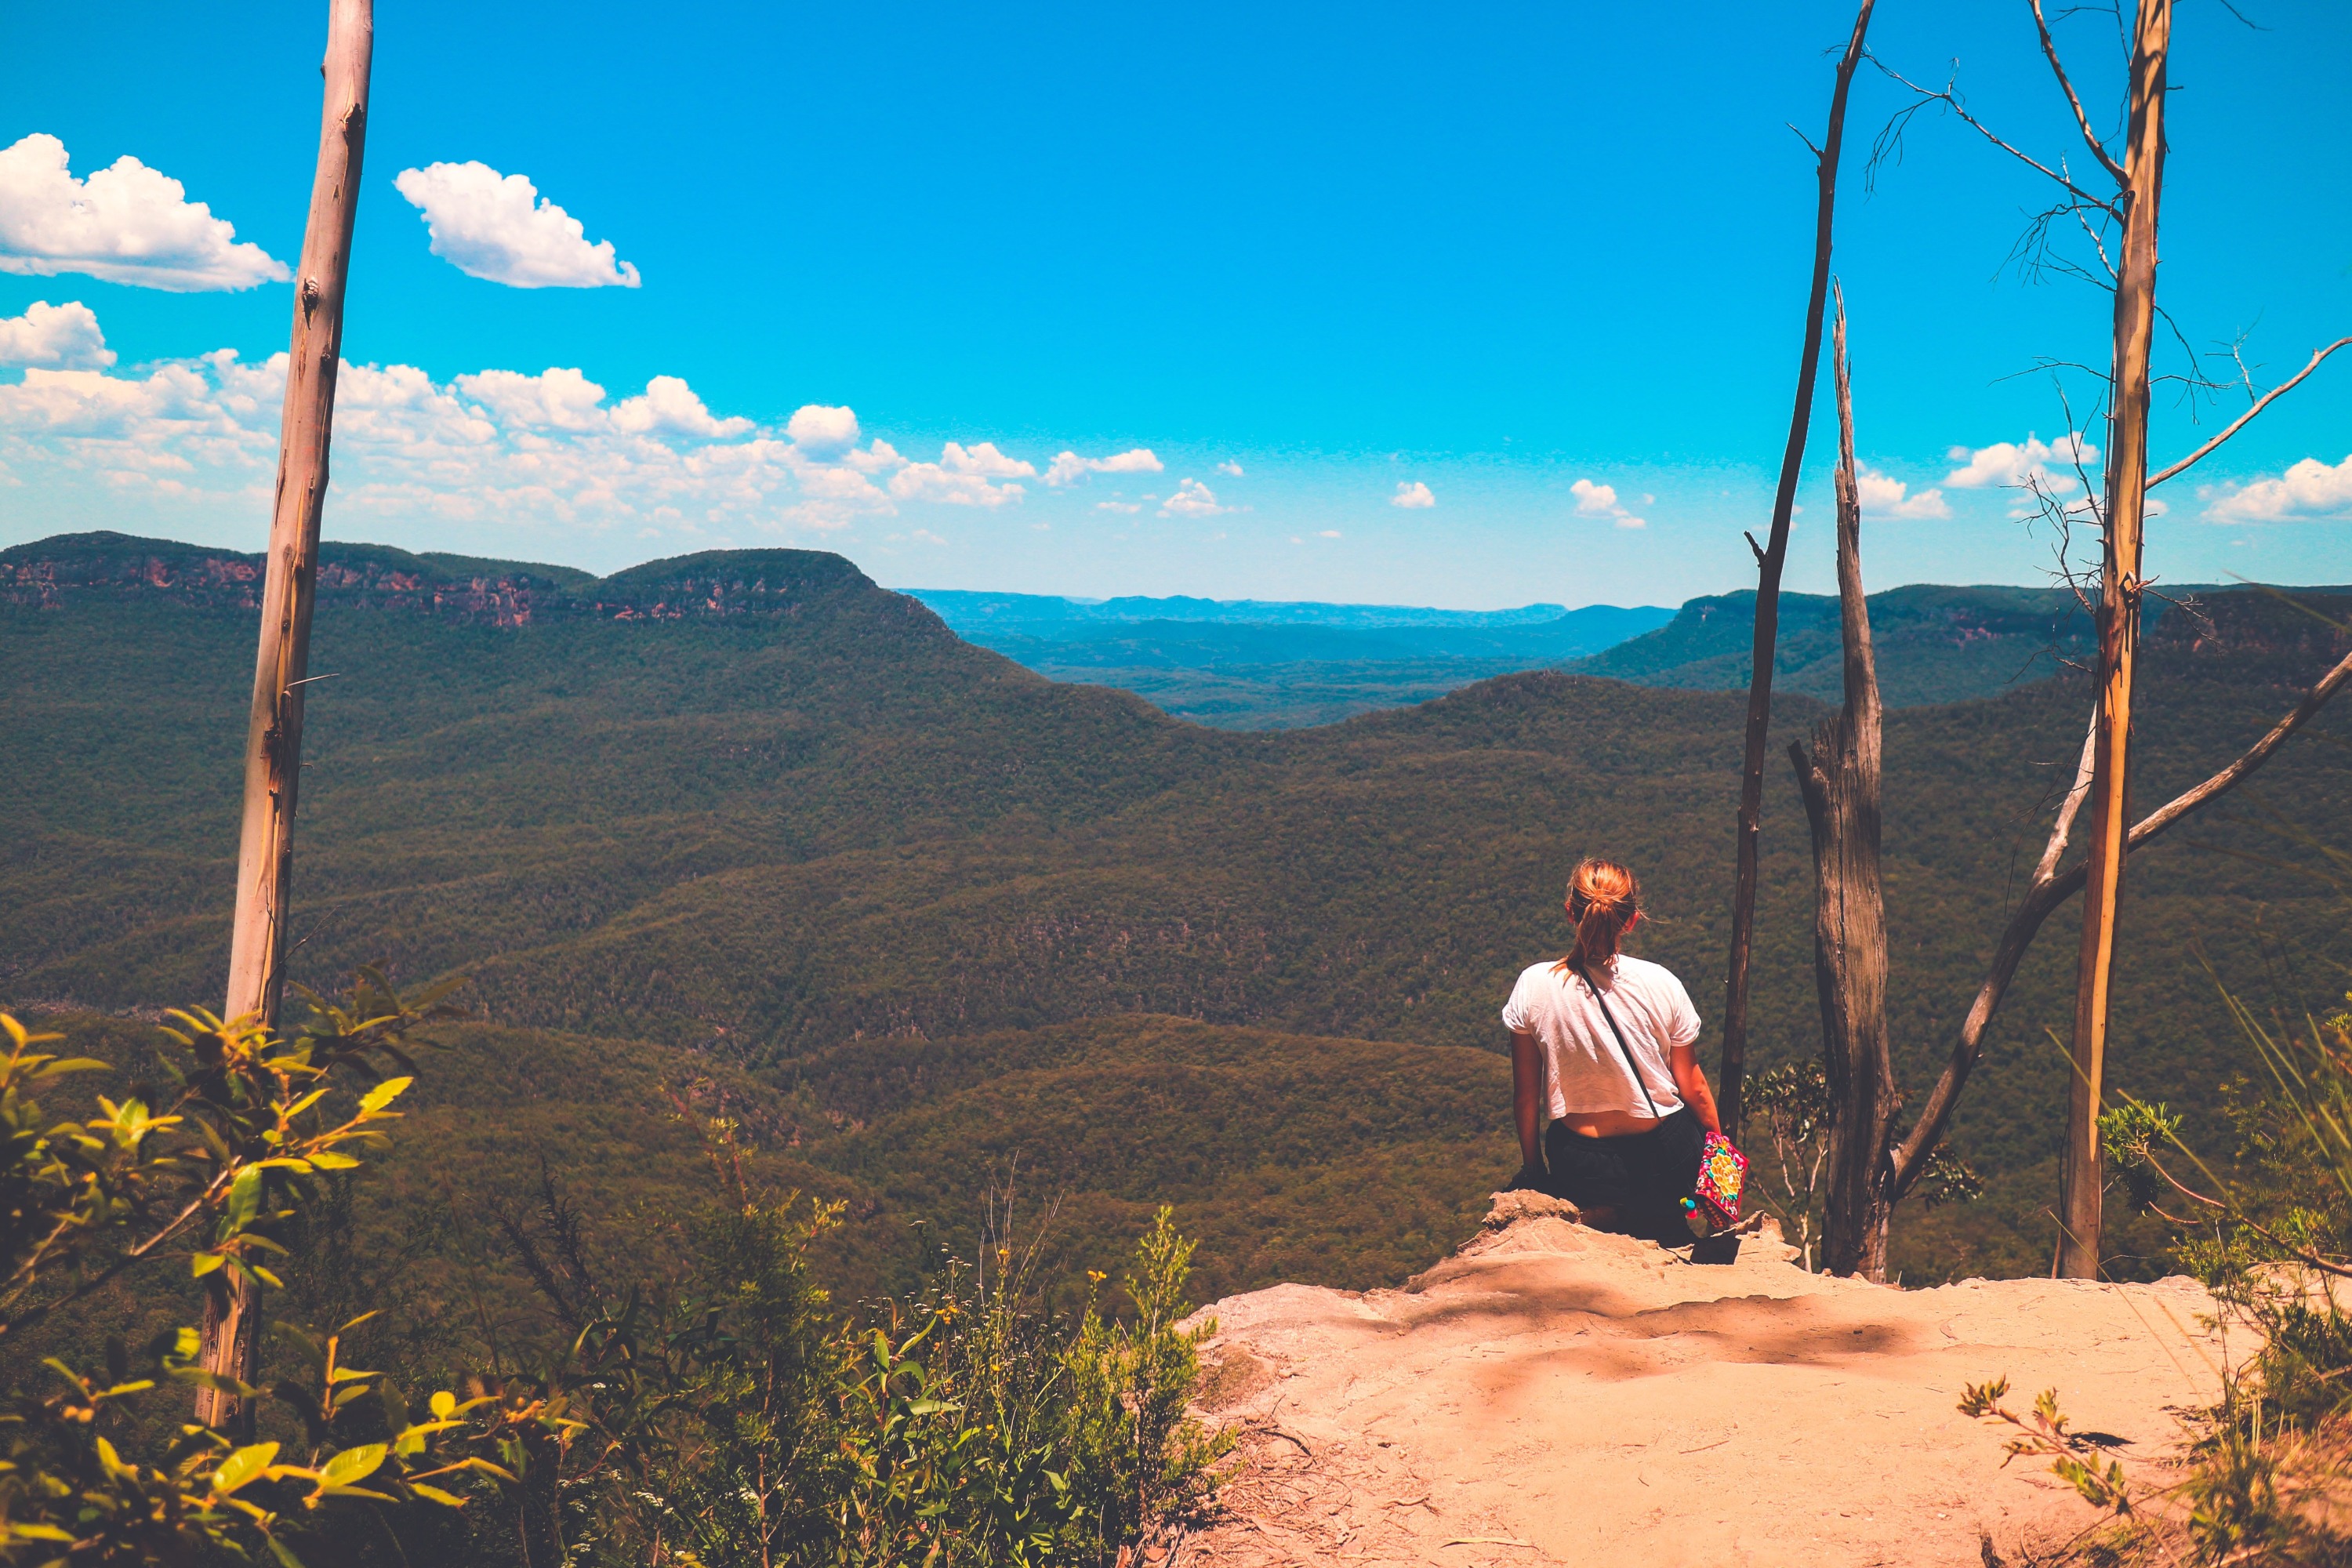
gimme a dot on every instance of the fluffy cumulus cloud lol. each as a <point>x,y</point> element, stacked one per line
<point>1600,501</point>
<point>551,452</point>
<point>1230,468</point>
<point>60,336</point>
<point>1068,469</point>
<point>669,407</point>
<point>986,461</point>
<point>816,428</point>
<point>555,399</point>
<point>498,227</point>
<point>1192,499</point>
<point>2049,464</point>
<point>126,223</point>
<point>1412,494</point>
<point>2309,491</point>
<point>1885,497</point>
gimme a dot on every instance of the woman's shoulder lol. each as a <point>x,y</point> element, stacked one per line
<point>1542,972</point>
<point>1641,972</point>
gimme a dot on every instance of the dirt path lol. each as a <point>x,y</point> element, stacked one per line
<point>1554,1394</point>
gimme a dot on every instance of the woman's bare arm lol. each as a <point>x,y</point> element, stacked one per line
<point>1527,1108</point>
<point>1690,1079</point>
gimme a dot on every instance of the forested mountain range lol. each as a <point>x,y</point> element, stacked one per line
<point>748,818</point>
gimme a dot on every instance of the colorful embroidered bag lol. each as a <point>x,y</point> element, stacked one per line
<point>1713,1203</point>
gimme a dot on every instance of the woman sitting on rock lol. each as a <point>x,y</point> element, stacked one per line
<point>1624,1149</point>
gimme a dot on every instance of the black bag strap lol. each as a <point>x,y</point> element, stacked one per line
<point>1622,1048</point>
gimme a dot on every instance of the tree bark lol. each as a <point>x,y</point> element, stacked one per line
<point>2119,629</point>
<point>273,753</point>
<point>1840,786</point>
<point>1770,558</point>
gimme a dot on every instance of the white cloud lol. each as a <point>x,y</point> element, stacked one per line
<point>552,400</point>
<point>2051,463</point>
<point>1192,499</point>
<point>2309,491</point>
<point>985,460</point>
<point>936,482</point>
<point>1600,501</point>
<point>498,227</point>
<point>1883,496</point>
<point>878,458</point>
<point>1328,533</point>
<point>64,336</point>
<point>1119,506</point>
<point>537,462</point>
<point>497,450</point>
<point>1414,494</point>
<point>1230,468</point>
<point>669,407</point>
<point>822,431</point>
<point>1069,467</point>
<point>127,224</point>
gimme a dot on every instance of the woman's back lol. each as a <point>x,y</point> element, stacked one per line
<point>1585,1070</point>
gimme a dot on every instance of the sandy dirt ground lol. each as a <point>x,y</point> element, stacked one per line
<point>1555,1395</point>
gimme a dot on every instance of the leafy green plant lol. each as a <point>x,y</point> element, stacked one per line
<point>727,1415</point>
<point>89,1470</point>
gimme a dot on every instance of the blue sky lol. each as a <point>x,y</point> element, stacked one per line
<point>1539,266</point>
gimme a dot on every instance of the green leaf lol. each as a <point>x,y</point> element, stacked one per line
<point>203,1263</point>
<point>242,1466</point>
<point>384,1094</point>
<point>285,1554</point>
<point>353,1465</point>
<point>328,1160</point>
<point>430,1494</point>
<point>49,1532</point>
<point>442,1403</point>
<point>244,1197</point>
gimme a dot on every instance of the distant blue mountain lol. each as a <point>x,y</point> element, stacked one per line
<point>1205,632</point>
<point>1257,664</point>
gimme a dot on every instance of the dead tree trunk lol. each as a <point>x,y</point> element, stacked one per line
<point>1770,558</point>
<point>273,754</point>
<point>1840,783</point>
<point>2119,628</point>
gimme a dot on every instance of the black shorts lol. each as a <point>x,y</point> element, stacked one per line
<point>1642,1175</point>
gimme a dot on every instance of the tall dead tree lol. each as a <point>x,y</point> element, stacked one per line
<point>273,753</point>
<point>2102,774</point>
<point>2141,184</point>
<point>1770,556</point>
<point>1840,783</point>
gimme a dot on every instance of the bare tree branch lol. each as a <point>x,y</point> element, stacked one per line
<point>1951,101</point>
<point>2043,896</point>
<point>2050,51</point>
<point>2059,830</point>
<point>2240,422</point>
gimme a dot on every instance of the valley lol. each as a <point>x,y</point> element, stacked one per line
<point>748,817</point>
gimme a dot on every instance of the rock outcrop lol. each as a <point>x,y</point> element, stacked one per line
<point>1555,1394</point>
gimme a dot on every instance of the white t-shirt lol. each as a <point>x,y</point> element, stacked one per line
<point>1582,1065</point>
